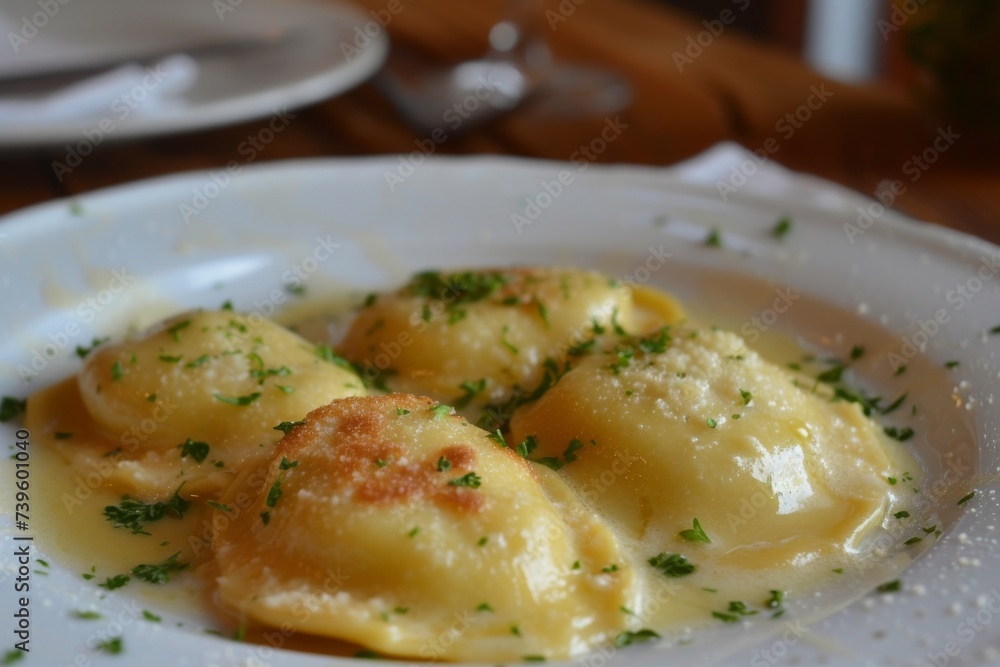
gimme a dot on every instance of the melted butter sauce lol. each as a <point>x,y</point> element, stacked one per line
<point>81,539</point>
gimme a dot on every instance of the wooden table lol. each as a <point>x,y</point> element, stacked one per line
<point>734,89</point>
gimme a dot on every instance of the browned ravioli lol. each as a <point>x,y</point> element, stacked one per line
<point>389,521</point>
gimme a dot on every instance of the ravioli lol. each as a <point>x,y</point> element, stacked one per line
<point>685,425</point>
<point>477,337</point>
<point>389,522</point>
<point>190,401</point>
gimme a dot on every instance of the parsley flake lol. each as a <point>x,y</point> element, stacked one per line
<point>672,565</point>
<point>470,480</point>
<point>628,637</point>
<point>696,534</point>
<point>288,427</point>
<point>159,573</point>
<point>237,400</point>
<point>195,449</point>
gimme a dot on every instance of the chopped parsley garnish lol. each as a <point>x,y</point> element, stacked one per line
<point>656,343</point>
<point>615,326</point>
<point>483,540</point>
<point>951,364</point>
<point>857,352</point>
<point>470,480</point>
<point>892,481</point>
<point>326,353</point>
<point>628,637</point>
<point>608,569</point>
<point>892,407</point>
<point>402,411</point>
<point>900,370</point>
<point>966,498</point>
<point>237,400</point>
<point>782,227</point>
<point>515,630</point>
<point>117,371</point>
<point>286,465</point>
<point>574,446</point>
<point>117,581</point>
<point>733,613</point>
<point>175,330</point>
<point>296,289</point>
<point>747,396</point>
<point>890,586</point>
<point>484,606</point>
<point>84,351</point>
<point>203,359</point>
<point>150,616</point>
<point>413,531</point>
<point>900,434</point>
<point>456,288</point>
<point>912,541</point>
<point>11,407</point>
<point>195,449</point>
<point>288,427</point>
<point>441,411</point>
<point>265,516</point>
<point>696,534</point>
<point>381,463</point>
<point>219,506</point>
<point>776,600</point>
<point>714,239</point>
<point>527,446</point>
<point>443,464</point>
<point>159,573</point>
<point>134,514</point>
<point>166,358</point>
<point>711,422</point>
<point>370,300</point>
<point>274,493</point>
<point>581,347</point>
<point>497,437</point>
<point>471,389</point>
<point>88,615</point>
<point>543,312</point>
<point>838,570</point>
<point>672,565</point>
<point>902,514</point>
<point>832,375</point>
<point>111,646</point>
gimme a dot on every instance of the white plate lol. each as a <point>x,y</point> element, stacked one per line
<point>341,224</point>
<point>318,52</point>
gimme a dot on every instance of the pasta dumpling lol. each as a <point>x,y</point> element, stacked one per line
<point>478,337</point>
<point>683,425</point>
<point>196,398</point>
<point>390,522</point>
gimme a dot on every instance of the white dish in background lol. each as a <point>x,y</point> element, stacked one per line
<point>240,239</point>
<point>249,59</point>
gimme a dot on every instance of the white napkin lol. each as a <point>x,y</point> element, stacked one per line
<point>114,94</point>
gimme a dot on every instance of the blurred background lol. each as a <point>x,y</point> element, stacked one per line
<point>862,92</point>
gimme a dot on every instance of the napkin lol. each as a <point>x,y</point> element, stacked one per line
<point>113,94</point>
